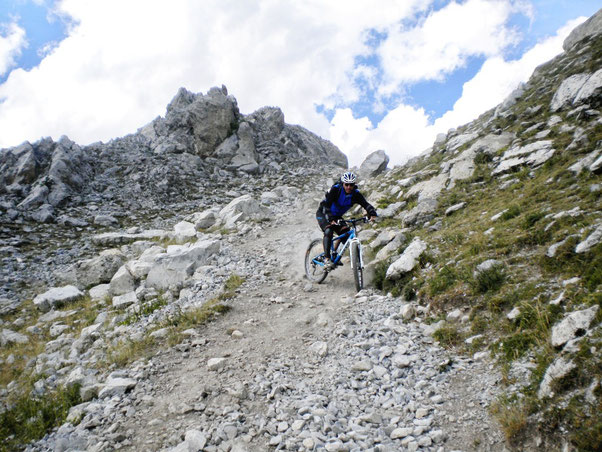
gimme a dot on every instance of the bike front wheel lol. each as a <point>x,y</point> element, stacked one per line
<point>315,271</point>
<point>358,271</point>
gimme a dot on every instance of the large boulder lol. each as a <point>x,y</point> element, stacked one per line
<point>374,164</point>
<point>56,297</point>
<point>572,325</point>
<point>194,123</point>
<point>243,208</point>
<point>591,27</point>
<point>8,337</point>
<point>407,261</point>
<point>97,270</point>
<point>180,262</point>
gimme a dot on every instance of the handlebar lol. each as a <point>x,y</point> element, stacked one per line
<point>353,221</point>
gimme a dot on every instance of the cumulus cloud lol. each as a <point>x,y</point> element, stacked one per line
<point>498,78</point>
<point>407,131</point>
<point>12,41</point>
<point>444,40</point>
<point>123,61</point>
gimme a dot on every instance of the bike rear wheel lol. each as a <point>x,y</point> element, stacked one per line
<point>314,272</point>
<point>358,271</point>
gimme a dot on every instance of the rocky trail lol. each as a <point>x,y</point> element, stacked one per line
<point>296,366</point>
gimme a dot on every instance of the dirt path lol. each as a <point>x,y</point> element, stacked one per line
<point>287,378</point>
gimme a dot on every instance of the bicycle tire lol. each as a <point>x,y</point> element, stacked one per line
<point>358,272</point>
<point>315,273</point>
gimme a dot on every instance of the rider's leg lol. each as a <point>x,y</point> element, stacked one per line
<point>327,241</point>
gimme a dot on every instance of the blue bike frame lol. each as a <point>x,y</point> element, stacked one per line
<point>350,237</point>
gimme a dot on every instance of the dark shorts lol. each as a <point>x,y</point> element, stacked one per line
<point>325,224</point>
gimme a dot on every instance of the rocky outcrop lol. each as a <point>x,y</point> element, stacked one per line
<point>588,29</point>
<point>374,164</point>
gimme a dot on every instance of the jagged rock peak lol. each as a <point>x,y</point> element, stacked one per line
<point>589,28</point>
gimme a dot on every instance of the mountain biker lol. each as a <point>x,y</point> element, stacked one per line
<point>339,200</point>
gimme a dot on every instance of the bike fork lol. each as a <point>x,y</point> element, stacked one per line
<point>359,249</point>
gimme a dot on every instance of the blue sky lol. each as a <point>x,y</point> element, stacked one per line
<point>366,78</point>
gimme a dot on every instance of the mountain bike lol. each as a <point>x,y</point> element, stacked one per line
<point>315,268</point>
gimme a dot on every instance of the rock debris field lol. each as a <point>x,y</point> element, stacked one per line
<point>295,366</point>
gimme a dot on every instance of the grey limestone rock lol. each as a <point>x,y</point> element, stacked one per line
<point>180,263</point>
<point>571,325</point>
<point>408,260</point>
<point>8,337</point>
<point>97,270</point>
<point>560,368</point>
<point>374,164</point>
<point>591,241</point>
<point>56,297</point>
<point>589,28</point>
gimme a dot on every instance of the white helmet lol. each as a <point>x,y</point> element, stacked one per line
<point>348,178</point>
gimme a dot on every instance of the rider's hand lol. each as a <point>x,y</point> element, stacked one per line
<point>371,219</point>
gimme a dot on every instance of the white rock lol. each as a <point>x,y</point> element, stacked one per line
<point>558,369</point>
<point>184,231</point>
<point>407,261</point>
<point>591,241</point>
<point>180,263</point>
<point>216,363</point>
<point>320,348</point>
<point>125,300</point>
<point>568,328</point>
<point>8,337</point>
<point>122,282</point>
<point>56,297</point>
<point>196,440</point>
<point>100,292</point>
<point>408,312</point>
<point>116,386</point>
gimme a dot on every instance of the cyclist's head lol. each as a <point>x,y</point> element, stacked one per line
<point>349,178</point>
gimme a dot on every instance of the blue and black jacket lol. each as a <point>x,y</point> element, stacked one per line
<point>337,202</point>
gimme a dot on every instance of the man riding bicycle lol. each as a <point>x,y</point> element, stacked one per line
<point>339,200</point>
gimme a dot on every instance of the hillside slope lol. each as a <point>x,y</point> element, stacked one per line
<point>509,210</point>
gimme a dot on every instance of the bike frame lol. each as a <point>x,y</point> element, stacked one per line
<point>351,237</point>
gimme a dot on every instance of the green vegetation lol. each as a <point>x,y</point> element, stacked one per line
<point>30,417</point>
<point>532,225</point>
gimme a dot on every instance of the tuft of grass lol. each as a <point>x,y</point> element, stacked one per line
<point>448,336</point>
<point>442,281</point>
<point>30,418</point>
<point>512,417</point>
<point>145,310</point>
<point>489,280</point>
<point>512,212</point>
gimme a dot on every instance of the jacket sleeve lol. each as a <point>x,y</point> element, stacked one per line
<point>359,199</point>
<point>331,196</point>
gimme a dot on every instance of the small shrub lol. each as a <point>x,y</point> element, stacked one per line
<point>512,417</point>
<point>233,283</point>
<point>531,219</point>
<point>489,280</point>
<point>30,418</point>
<point>514,346</point>
<point>448,336</point>
<point>443,280</point>
<point>512,212</point>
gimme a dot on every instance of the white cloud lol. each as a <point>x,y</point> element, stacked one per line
<point>400,134</point>
<point>123,61</point>
<point>444,40</point>
<point>498,78</point>
<point>406,131</point>
<point>12,41</point>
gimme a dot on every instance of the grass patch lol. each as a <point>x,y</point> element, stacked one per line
<point>512,416</point>
<point>144,310</point>
<point>448,336</point>
<point>489,280</point>
<point>30,418</point>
